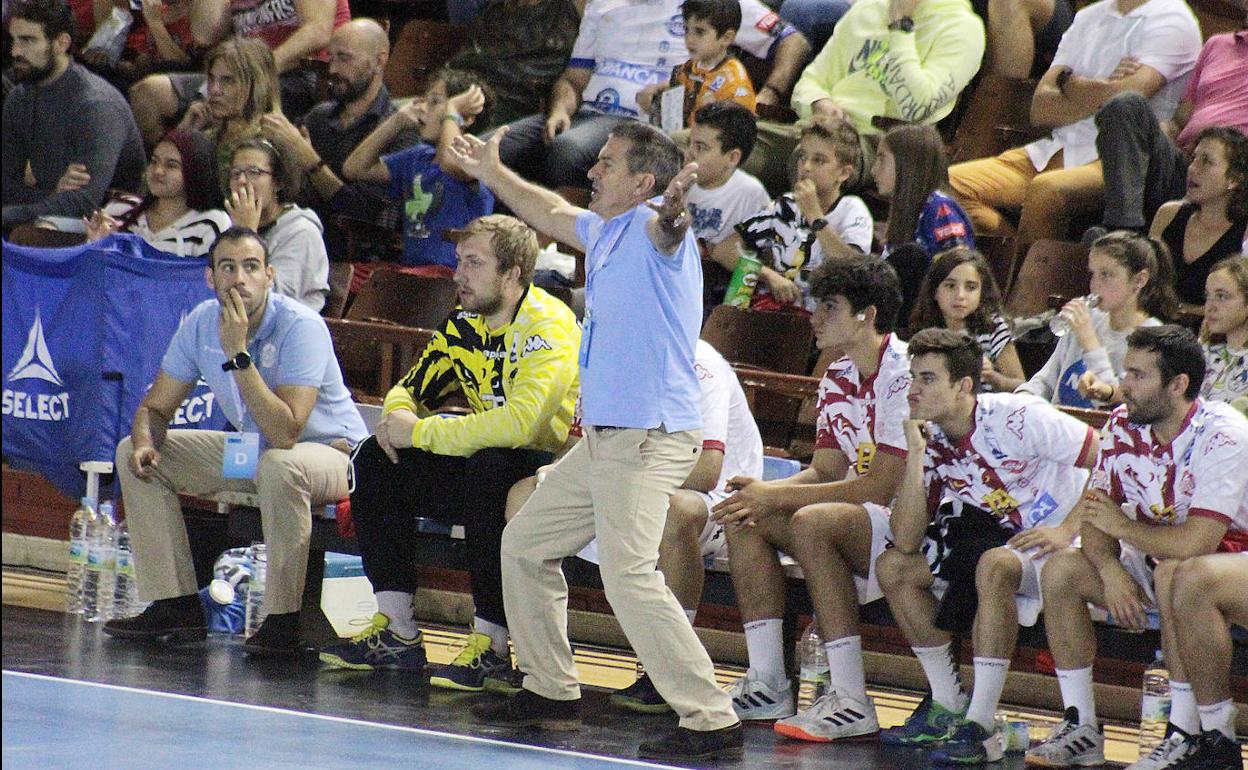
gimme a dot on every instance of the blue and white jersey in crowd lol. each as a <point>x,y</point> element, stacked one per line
<point>630,44</point>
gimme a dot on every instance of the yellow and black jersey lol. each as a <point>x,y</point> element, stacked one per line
<point>520,380</point>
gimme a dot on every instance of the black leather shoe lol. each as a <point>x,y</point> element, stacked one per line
<point>278,636</point>
<point>684,744</point>
<point>528,709</point>
<point>176,620</point>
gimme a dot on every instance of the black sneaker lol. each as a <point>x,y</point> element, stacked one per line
<point>277,637</point>
<point>508,683</point>
<point>641,697</point>
<point>684,744</point>
<point>528,709</point>
<point>1214,751</point>
<point>180,619</point>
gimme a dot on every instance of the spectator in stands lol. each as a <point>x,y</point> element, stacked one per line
<point>459,469</point>
<point>1209,224</point>
<point>271,364</point>
<point>436,194</point>
<point>960,293</point>
<point>621,49</point>
<point>641,407</point>
<point>1130,275</point>
<point>160,38</point>
<point>1014,467</point>
<point>721,139</point>
<point>181,212</point>
<point>358,103</point>
<point>801,230</point>
<point>68,135</point>
<point>859,457</point>
<point>711,74</point>
<point>895,60</point>
<point>241,90</point>
<point>519,47</point>
<point>263,184</point>
<point>1144,160</point>
<point>1147,46</point>
<point>911,171</point>
<point>1225,333</point>
<point>291,30</point>
<point>1206,596</point>
<point>1160,492</point>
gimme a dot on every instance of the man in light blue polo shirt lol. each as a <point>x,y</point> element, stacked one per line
<point>642,415</point>
<point>271,366</point>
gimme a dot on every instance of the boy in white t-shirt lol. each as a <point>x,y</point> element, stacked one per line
<point>719,142</point>
<point>793,235</point>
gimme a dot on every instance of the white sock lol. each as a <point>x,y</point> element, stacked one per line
<point>943,675</point>
<point>764,641</point>
<point>845,672</point>
<point>1220,717</point>
<point>498,634</point>
<point>1076,686</point>
<point>397,606</point>
<point>989,682</point>
<point>691,614</point>
<point>1184,713</point>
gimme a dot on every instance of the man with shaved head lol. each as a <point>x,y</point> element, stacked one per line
<point>359,101</point>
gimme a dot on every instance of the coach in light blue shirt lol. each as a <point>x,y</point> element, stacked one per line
<point>640,402</point>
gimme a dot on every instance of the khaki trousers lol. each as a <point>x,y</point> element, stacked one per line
<point>1048,200</point>
<point>288,481</point>
<point>615,484</point>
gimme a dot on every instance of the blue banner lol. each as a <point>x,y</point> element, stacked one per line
<point>84,331</point>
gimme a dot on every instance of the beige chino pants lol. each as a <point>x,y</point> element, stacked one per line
<point>616,485</point>
<point>288,481</point>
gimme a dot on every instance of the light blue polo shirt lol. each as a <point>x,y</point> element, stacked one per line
<point>643,310</point>
<point>291,347</point>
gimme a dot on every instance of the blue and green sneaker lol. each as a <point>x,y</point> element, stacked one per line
<point>377,647</point>
<point>472,666</point>
<point>928,725</point>
<point>970,744</point>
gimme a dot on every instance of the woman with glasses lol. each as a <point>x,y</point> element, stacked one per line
<point>263,184</point>
<point>180,214</point>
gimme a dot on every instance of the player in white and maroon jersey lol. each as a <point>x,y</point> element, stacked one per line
<point>984,470</point>
<point>859,454</point>
<point>1171,483</point>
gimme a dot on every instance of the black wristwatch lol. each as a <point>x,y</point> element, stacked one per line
<point>240,361</point>
<point>818,224</point>
<point>904,24</point>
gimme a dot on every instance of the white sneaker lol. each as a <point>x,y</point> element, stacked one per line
<point>1069,744</point>
<point>833,717</point>
<point>753,699</point>
<point>1174,748</point>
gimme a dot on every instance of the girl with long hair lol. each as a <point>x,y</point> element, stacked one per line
<point>1131,275</point>
<point>1225,332</point>
<point>960,293</point>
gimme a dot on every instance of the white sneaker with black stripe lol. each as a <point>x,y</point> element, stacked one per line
<point>1173,749</point>
<point>1069,744</point>
<point>834,717</point>
<point>754,699</point>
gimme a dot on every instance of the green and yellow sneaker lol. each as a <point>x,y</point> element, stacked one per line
<point>377,647</point>
<point>930,724</point>
<point>472,666</point>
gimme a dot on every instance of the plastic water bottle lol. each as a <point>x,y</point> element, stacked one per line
<point>79,526</point>
<point>1154,708</point>
<point>125,590</point>
<point>255,594</point>
<point>813,666</point>
<point>1060,324</point>
<point>97,587</point>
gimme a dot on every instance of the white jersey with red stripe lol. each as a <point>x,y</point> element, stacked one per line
<point>1203,471</point>
<point>727,423</point>
<point>1019,462</point>
<point>862,416</point>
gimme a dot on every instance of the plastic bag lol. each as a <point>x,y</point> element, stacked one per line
<point>110,37</point>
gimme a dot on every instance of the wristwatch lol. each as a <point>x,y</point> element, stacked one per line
<point>904,24</point>
<point>240,361</point>
<point>818,225</point>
